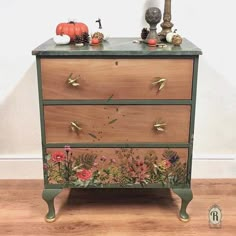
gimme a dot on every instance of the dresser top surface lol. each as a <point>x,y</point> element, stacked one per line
<point>116,47</point>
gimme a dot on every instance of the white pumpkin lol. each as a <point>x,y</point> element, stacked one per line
<point>61,39</point>
<point>170,35</point>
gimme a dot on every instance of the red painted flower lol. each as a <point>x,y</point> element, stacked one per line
<point>84,174</point>
<point>58,157</point>
<point>166,164</point>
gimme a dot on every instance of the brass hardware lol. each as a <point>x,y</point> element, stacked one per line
<point>160,83</point>
<point>160,126</point>
<point>73,81</point>
<point>75,126</point>
<point>50,220</point>
<point>184,220</point>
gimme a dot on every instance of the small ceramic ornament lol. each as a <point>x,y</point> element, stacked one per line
<point>98,35</point>
<point>152,42</point>
<point>100,32</point>
<point>61,39</point>
<point>170,35</point>
<point>95,41</point>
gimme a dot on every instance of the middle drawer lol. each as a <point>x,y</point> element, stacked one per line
<point>117,123</point>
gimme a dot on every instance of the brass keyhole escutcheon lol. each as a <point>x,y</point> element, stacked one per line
<point>116,63</point>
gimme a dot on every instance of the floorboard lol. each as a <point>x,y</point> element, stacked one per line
<point>115,212</point>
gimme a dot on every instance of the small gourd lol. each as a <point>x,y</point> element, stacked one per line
<point>177,40</point>
<point>170,35</point>
<point>61,39</point>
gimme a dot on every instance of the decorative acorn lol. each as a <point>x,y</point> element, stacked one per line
<point>78,39</point>
<point>98,35</point>
<point>177,40</point>
<point>85,37</point>
<point>82,39</point>
<point>144,33</point>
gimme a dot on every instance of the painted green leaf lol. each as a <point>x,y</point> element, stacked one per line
<point>112,121</point>
<point>110,98</point>
<point>92,135</point>
<point>48,157</point>
<point>86,183</point>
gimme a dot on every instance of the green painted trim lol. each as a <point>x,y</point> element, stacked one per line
<point>148,186</point>
<point>118,102</point>
<point>162,57</point>
<point>116,47</point>
<point>40,101</point>
<point>118,145</point>
<point>186,196</point>
<point>48,196</point>
<point>192,121</point>
<point>41,110</point>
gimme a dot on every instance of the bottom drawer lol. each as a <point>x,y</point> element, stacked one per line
<point>116,167</point>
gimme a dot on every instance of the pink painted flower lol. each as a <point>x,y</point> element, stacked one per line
<point>84,174</point>
<point>166,164</point>
<point>58,157</point>
<point>45,166</point>
<point>67,148</point>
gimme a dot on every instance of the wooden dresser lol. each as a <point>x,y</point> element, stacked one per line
<point>117,115</point>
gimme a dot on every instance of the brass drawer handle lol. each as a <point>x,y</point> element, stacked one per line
<point>160,126</point>
<point>73,81</point>
<point>159,83</point>
<point>75,127</point>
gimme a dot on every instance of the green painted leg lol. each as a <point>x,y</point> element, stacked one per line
<point>48,196</point>
<point>186,196</point>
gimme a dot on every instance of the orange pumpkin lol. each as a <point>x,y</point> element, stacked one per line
<point>71,29</point>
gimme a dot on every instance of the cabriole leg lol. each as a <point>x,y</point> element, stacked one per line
<point>49,195</point>
<point>186,196</point>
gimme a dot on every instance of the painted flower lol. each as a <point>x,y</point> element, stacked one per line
<point>103,158</point>
<point>84,174</point>
<point>173,159</point>
<point>58,157</point>
<point>67,148</point>
<point>166,164</point>
<point>45,166</point>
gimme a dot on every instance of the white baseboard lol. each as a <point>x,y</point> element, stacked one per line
<point>30,166</point>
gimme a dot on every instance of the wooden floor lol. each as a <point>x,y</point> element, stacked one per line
<point>115,212</point>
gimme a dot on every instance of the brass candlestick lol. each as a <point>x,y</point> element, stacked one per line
<point>166,25</point>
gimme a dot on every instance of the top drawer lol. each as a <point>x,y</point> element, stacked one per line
<point>116,78</point>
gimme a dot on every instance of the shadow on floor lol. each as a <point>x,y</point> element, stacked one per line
<point>79,199</point>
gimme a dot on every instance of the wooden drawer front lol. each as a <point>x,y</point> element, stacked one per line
<point>125,167</point>
<point>121,78</point>
<point>124,123</point>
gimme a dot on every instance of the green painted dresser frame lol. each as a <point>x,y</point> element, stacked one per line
<point>119,48</point>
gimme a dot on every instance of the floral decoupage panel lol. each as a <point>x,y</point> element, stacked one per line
<point>98,167</point>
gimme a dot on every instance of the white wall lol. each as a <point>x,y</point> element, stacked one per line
<point>25,24</point>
